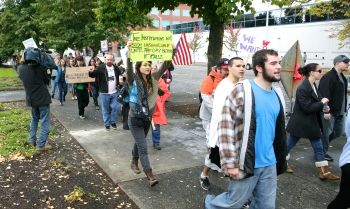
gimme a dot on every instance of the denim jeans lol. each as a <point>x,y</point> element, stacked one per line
<point>316,144</point>
<point>262,186</point>
<point>41,114</point>
<point>110,108</point>
<point>156,134</point>
<point>332,129</point>
<point>53,87</point>
<point>62,91</point>
<point>94,90</point>
<point>139,129</point>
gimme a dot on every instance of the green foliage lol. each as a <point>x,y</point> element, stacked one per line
<point>337,8</point>
<point>14,132</point>
<point>8,72</point>
<point>17,25</point>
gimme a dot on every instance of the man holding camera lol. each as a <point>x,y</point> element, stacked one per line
<point>35,80</point>
<point>107,75</point>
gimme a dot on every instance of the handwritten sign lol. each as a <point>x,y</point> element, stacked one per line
<point>78,75</point>
<point>29,43</point>
<point>248,44</point>
<point>151,45</point>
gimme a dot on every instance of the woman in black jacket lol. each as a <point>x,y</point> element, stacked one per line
<point>305,121</point>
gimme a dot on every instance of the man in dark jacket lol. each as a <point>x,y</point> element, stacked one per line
<point>108,81</point>
<point>333,85</point>
<point>35,80</point>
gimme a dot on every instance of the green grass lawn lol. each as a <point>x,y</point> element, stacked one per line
<point>14,130</point>
<point>9,80</point>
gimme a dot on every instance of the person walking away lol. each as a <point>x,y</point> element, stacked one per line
<point>333,85</point>
<point>143,90</point>
<point>251,134</point>
<point>207,90</point>
<point>305,121</point>
<point>159,117</point>
<point>82,93</point>
<point>342,200</point>
<point>35,82</point>
<point>53,82</point>
<point>107,75</point>
<point>61,81</point>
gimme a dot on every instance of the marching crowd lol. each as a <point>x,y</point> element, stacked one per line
<point>244,119</point>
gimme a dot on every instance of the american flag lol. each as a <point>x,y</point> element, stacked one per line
<point>183,54</point>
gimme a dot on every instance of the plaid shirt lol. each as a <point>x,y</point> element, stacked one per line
<point>230,129</point>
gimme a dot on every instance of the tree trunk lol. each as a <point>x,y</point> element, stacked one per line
<point>216,36</point>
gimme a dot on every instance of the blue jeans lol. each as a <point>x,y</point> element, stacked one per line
<point>42,114</point>
<point>139,129</point>
<point>316,144</point>
<point>262,186</point>
<point>110,108</point>
<point>156,134</point>
<point>332,129</point>
<point>53,87</point>
<point>62,91</point>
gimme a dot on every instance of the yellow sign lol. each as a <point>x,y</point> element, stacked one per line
<point>151,45</point>
<point>79,75</point>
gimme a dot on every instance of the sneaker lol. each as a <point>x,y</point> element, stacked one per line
<point>289,169</point>
<point>75,98</point>
<point>44,148</point>
<point>97,108</point>
<point>81,116</point>
<point>328,157</point>
<point>108,128</point>
<point>126,127</point>
<point>52,96</point>
<point>157,147</point>
<point>61,103</point>
<point>72,98</point>
<point>114,126</point>
<point>205,184</point>
<point>246,205</point>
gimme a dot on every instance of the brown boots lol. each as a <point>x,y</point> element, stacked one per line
<point>151,178</point>
<point>325,173</point>
<point>135,166</point>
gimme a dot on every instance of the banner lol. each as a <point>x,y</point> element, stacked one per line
<point>29,43</point>
<point>79,75</point>
<point>104,46</point>
<point>151,45</point>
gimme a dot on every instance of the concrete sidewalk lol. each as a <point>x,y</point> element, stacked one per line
<point>179,163</point>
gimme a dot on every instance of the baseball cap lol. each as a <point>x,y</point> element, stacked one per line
<point>223,63</point>
<point>341,58</point>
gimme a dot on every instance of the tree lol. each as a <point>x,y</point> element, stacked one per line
<point>231,40</point>
<point>338,9</point>
<point>196,43</point>
<point>16,23</point>
<point>215,13</point>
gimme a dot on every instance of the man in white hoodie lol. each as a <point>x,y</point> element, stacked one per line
<point>236,68</point>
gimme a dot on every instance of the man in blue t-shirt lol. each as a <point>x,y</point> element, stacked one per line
<point>252,138</point>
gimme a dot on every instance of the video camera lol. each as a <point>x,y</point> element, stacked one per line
<point>37,56</point>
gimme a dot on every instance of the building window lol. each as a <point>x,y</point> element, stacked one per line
<point>155,23</point>
<point>186,13</point>
<point>176,22</point>
<point>154,11</point>
<point>176,12</point>
<point>166,12</point>
<point>165,23</point>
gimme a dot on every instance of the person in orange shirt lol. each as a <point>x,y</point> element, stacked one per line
<point>208,86</point>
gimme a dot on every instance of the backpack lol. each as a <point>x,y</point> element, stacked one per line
<point>39,57</point>
<point>200,99</point>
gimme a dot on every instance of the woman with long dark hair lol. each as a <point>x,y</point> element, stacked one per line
<point>93,87</point>
<point>143,91</point>
<point>305,121</point>
<point>61,81</point>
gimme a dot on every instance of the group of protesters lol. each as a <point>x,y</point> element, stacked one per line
<point>244,119</point>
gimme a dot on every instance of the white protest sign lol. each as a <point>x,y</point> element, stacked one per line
<point>29,43</point>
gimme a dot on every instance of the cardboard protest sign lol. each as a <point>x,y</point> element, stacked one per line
<point>79,75</point>
<point>151,45</point>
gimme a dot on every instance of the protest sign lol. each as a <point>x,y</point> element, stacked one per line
<point>79,75</point>
<point>151,45</point>
<point>104,46</point>
<point>29,43</point>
